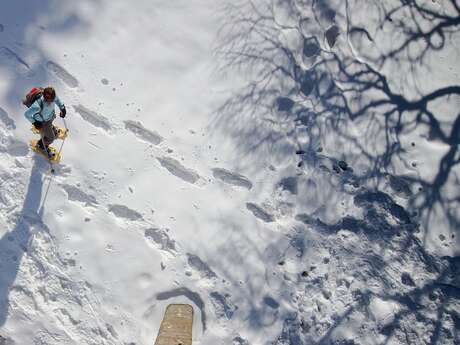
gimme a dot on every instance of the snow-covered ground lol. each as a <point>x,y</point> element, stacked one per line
<point>289,168</point>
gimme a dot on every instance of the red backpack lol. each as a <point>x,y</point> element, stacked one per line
<point>34,94</point>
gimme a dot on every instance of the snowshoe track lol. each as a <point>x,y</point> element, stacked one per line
<point>232,178</point>
<point>124,212</point>
<point>62,74</point>
<point>93,118</point>
<point>177,169</point>
<point>143,133</point>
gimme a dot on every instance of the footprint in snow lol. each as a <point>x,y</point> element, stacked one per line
<point>143,133</point>
<point>177,169</point>
<point>121,211</point>
<point>9,57</point>
<point>161,239</point>
<point>76,194</point>
<point>260,213</point>
<point>222,305</point>
<point>369,198</point>
<point>62,74</point>
<point>93,118</point>
<point>399,185</point>
<point>199,265</point>
<point>289,184</point>
<point>232,178</point>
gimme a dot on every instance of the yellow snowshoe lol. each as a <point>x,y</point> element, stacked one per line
<point>51,154</point>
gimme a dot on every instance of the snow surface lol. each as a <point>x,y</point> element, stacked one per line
<point>289,168</point>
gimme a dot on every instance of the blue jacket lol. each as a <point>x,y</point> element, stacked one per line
<point>47,113</point>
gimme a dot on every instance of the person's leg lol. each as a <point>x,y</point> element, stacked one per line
<point>47,137</point>
<point>47,133</point>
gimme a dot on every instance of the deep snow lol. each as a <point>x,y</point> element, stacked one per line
<point>289,168</point>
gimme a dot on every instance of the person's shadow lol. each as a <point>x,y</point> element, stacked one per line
<point>14,243</point>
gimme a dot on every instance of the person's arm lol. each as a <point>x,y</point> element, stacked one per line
<point>32,111</point>
<point>61,106</point>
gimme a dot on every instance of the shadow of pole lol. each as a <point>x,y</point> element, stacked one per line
<point>15,243</point>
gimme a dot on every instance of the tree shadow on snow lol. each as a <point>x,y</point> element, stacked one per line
<point>307,89</point>
<point>423,310</point>
<point>429,306</point>
<point>315,72</point>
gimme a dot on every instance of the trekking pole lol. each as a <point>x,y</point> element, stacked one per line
<point>66,130</point>
<point>65,124</point>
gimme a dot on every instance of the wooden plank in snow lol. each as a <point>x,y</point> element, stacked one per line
<point>176,327</point>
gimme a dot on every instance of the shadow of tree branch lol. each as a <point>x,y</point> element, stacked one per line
<point>301,92</point>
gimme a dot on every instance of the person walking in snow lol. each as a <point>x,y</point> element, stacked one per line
<point>42,114</point>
